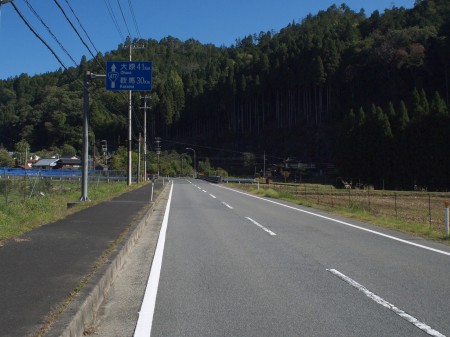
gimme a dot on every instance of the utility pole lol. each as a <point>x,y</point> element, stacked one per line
<point>145,134</point>
<point>131,47</point>
<point>158,149</point>
<point>139,161</point>
<point>264,169</point>
<point>85,159</point>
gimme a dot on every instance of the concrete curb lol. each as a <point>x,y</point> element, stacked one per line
<point>83,309</point>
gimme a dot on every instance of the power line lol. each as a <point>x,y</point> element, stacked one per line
<point>215,148</point>
<point>113,17</point>
<point>134,19</point>
<point>71,24</point>
<point>123,16</point>
<point>79,22</point>
<point>37,35</point>
<point>50,32</point>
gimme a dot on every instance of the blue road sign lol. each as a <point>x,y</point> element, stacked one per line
<point>133,75</point>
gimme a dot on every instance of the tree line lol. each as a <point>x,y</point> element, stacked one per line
<point>367,93</point>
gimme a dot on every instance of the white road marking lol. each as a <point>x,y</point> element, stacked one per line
<point>145,320</point>
<point>223,202</point>
<point>343,223</point>
<point>212,196</point>
<point>422,326</point>
<point>204,191</point>
<point>199,188</point>
<point>261,226</point>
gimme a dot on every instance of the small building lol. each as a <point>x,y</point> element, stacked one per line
<point>72,163</point>
<point>46,164</point>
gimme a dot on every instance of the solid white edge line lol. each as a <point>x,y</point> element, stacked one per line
<point>422,326</point>
<point>344,223</point>
<point>261,226</point>
<point>145,320</point>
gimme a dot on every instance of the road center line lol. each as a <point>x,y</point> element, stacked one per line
<point>422,326</point>
<point>261,226</point>
<point>223,202</point>
<point>145,320</point>
<point>204,191</point>
<point>342,222</point>
<point>212,196</point>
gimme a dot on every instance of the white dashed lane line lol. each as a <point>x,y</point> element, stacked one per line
<point>261,226</point>
<point>224,203</point>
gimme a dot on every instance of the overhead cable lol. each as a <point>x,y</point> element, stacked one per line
<point>113,17</point>
<point>134,19</point>
<point>79,22</point>
<point>123,16</point>
<point>71,24</point>
<point>50,32</point>
<point>37,35</point>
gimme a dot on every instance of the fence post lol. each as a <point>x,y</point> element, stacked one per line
<point>318,195</point>
<point>395,202</point>
<point>429,207</point>
<point>331,193</point>
<point>446,219</point>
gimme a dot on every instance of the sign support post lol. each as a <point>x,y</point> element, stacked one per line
<point>129,76</point>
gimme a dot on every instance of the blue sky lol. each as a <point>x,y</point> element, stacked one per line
<point>219,22</point>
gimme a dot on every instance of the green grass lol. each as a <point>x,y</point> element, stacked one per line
<point>17,218</point>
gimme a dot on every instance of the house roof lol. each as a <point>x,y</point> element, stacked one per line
<point>47,162</point>
<point>69,161</point>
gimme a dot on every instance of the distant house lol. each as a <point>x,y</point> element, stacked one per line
<point>46,164</point>
<point>68,163</point>
<point>101,167</point>
<point>58,163</point>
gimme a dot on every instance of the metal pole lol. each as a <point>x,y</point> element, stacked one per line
<point>145,138</point>
<point>151,198</point>
<point>85,158</point>
<point>138,180</point>
<point>264,170</point>
<point>129,126</point>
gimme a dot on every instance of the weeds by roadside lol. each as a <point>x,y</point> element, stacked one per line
<point>340,204</point>
<point>17,218</point>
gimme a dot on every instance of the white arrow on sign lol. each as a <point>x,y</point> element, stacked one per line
<point>113,67</point>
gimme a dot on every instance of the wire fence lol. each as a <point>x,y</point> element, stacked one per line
<point>418,207</point>
<point>17,185</point>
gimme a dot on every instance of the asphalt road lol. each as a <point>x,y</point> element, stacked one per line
<point>236,265</point>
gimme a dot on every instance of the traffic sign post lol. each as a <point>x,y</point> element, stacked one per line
<point>129,76</point>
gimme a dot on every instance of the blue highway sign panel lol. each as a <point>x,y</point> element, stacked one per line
<point>133,75</point>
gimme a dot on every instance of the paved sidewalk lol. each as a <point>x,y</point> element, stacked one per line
<point>40,269</point>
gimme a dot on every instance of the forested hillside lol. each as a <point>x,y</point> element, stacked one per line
<point>369,94</point>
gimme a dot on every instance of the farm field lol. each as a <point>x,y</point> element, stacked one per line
<point>415,212</point>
